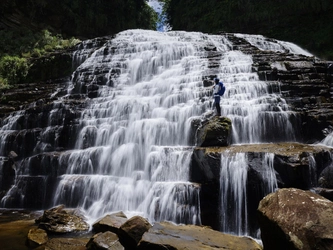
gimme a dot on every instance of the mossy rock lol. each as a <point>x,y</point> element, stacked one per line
<point>215,132</point>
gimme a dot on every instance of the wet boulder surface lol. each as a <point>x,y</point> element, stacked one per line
<point>296,219</point>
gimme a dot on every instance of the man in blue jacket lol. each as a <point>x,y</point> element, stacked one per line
<point>218,91</point>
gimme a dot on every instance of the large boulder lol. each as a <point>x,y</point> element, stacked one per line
<point>326,178</point>
<point>131,231</point>
<point>104,241</point>
<point>110,222</point>
<point>166,235</point>
<point>60,220</point>
<point>214,132</point>
<point>296,219</point>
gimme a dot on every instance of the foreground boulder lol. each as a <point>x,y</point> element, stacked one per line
<point>214,132</point>
<point>110,222</point>
<point>104,241</point>
<point>166,235</point>
<point>131,231</point>
<point>59,220</point>
<point>296,219</point>
<point>36,237</point>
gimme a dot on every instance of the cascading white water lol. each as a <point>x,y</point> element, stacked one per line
<point>254,111</point>
<point>132,152</point>
<point>233,180</point>
<point>233,189</point>
<point>269,176</point>
<point>312,171</point>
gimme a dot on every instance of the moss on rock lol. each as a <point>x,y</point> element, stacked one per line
<point>215,132</point>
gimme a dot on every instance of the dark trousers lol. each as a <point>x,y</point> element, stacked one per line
<point>217,104</point>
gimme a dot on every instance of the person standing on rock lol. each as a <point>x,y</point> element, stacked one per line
<point>218,91</point>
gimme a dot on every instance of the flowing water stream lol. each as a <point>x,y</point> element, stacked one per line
<point>134,146</point>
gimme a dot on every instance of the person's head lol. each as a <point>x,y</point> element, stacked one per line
<point>216,80</point>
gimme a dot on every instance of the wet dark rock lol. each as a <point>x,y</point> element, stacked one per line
<point>296,219</point>
<point>25,94</point>
<point>326,178</point>
<point>61,220</point>
<point>208,83</point>
<point>7,174</point>
<point>110,222</point>
<point>205,169</point>
<point>166,235</point>
<point>131,231</point>
<point>104,241</point>
<point>41,125</point>
<point>46,164</point>
<point>35,197</point>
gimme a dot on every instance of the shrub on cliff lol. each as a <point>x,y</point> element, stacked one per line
<point>13,69</point>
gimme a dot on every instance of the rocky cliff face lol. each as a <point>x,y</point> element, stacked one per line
<point>45,129</point>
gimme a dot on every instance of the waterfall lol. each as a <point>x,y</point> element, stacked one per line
<point>233,194</point>
<point>268,174</point>
<point>312,171</point>
<point>233,190</point>
<point>141,118</point>
<point>132,152</point>
<point>132,146</point>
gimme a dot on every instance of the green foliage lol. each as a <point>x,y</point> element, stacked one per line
<point>13,69</point>
<point>3,83</point>
<point>16,53</point>
<point>25,43</point>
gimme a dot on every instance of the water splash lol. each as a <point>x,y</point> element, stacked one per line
<point>328,140</point>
